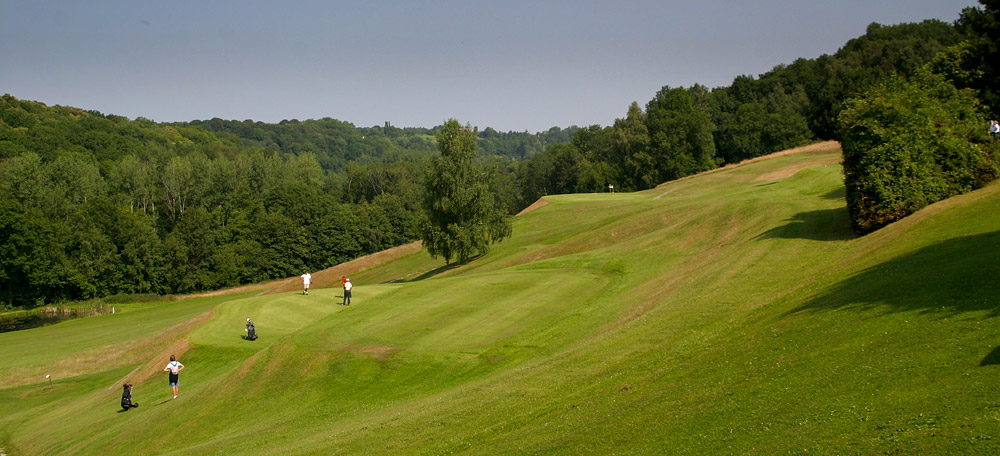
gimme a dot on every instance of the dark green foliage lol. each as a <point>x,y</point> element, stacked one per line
<point>98,205</point>
<point>758,124</point>
<point>101,205</point>
<point>975,63</point>
<point>680,129</point>
<point>629,141</point>
<point>866,60</point>
<point>688,130</point>
<point>504,182</point>
<point>336,143</point>
<point>35,267</point>
<point>908,144</point>
<point>15,249</point>
<point>521,145</point>
<point>462,217</point>
<point>562,168</point>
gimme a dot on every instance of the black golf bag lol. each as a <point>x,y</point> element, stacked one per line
<point>127,397</point>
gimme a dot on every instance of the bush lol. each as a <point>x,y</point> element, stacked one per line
<point>910,143</point>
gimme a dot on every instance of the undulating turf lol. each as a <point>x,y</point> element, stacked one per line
<point>729,313</point>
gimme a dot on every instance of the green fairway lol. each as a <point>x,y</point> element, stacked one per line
<point>734,312</point>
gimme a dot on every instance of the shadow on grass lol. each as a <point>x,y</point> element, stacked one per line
<point>434,272</point>
<point>991,359</point>
<point>838,194</point>
<point>957,275</point>
<point>821,225</point>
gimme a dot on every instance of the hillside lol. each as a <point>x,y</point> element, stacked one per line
<point>732,312</point>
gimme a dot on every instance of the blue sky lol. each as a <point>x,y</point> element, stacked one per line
<point>511,65</point>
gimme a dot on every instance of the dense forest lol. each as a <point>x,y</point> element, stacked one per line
<point>93,205</point>
<point>682,131</point>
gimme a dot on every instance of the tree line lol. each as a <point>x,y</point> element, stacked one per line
<point>910,103</point>
<point>686,130</point>
<point>94,205</point>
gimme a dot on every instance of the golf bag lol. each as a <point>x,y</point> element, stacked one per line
<point>127,397</point>
<point>251,330</point>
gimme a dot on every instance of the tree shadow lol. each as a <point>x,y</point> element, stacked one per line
<point>991,359</point>
<point>820,225</point>
<point>839,193</point>
<point>436,271</point>
<point>957,275</point>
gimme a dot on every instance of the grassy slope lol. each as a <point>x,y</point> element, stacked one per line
<point>733,312</point>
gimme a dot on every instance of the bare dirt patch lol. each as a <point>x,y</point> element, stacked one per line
<point>156,363</point>
<point>791,170</point>
<point>318,359</point>
<point>325,278</point>
<point>534,206</point>
<point>331,276</point>
<point>155,350</point>
<point>381,352</point>
<point>158,348</point>
<point>262,287</point>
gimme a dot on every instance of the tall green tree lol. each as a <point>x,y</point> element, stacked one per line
<point>629,150</point>
<point>680,129</point>
<point>908,144</point>
<point>461,217</point>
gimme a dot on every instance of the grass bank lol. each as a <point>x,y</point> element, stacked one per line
<point>729,313</point>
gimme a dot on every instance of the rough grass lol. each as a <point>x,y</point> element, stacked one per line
<point>729,313</point>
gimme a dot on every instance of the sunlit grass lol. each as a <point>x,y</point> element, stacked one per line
<point>729,313</point>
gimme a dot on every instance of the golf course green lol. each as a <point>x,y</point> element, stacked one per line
<point>731,312</point>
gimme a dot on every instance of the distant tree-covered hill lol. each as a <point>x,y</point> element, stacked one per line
<point>335,143</point>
